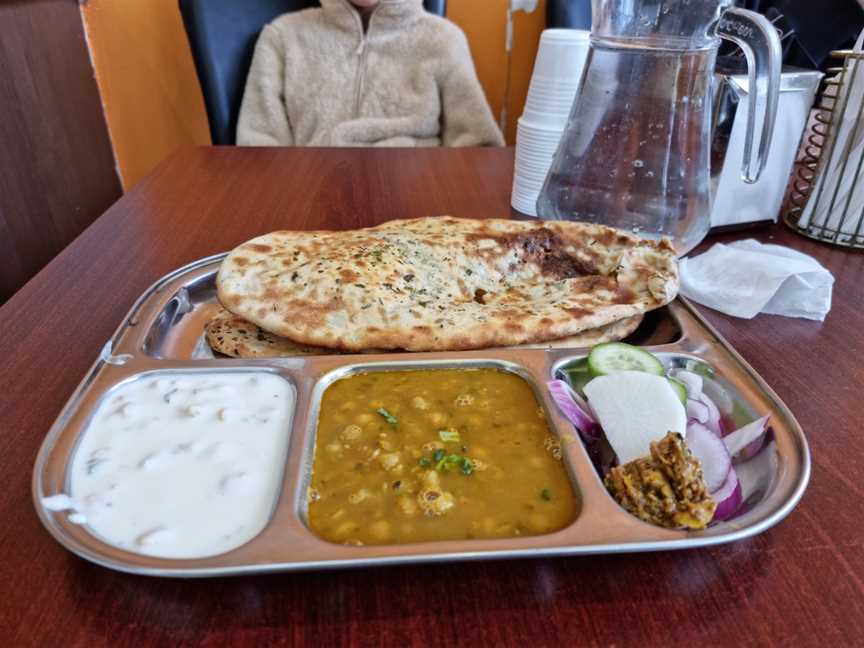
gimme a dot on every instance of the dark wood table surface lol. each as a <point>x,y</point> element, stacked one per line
<point>800,583</point>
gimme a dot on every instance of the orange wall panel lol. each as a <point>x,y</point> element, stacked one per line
<point>147,81</point>
<point>485,23</point>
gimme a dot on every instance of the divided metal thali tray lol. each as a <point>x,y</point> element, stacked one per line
<point>164,333</point>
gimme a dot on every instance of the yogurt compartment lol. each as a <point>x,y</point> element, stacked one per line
<point>181,464</point>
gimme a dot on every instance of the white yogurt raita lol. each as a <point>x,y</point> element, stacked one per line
<point>182,465</point>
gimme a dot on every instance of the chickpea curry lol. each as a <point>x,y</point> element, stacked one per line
<point>413,456</point>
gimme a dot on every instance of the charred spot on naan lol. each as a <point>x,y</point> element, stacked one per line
<point>623,295</point>
<point>348,276</point>
<point>577,312</point>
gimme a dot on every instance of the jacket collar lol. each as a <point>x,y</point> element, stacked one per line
<point>388,15</point>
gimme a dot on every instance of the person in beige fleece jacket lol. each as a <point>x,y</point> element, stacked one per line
<point>371,73</point>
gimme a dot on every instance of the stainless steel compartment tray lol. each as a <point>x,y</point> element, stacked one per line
<point>163,332</point>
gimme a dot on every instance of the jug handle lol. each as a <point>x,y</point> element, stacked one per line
<point>756,36</point>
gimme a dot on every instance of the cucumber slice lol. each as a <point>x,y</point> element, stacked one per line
<point>680,389</point>
<point>612,357</point>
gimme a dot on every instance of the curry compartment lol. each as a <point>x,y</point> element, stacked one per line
<point>433,450</point>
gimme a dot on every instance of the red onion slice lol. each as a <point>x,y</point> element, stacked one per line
<point>713,422</point>
<point>692,381</point>
<point>567,401</point>
<point>729,497</point>
<point>745,442</point>
<point>719,396</point>
<point>711,452</point>
<point>697,411</point>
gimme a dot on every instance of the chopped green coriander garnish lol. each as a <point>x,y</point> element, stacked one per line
<point>467,466</point>
<point>546,494</point>
<point>387,416</point>
<point>438,455</point>
<point>445,462</point>
<point>449,436</point>
<point>424,461</point>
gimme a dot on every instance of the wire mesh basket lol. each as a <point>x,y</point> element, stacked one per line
<point>827,193</point>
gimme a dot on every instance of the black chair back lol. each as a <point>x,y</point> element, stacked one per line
<point>569,14</point>
<point>222,35</point>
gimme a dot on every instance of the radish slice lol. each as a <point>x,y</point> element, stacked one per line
<point>634,409</point>
<point>711,452</point>
<point>697,410</point>
<point>692,381</point>
<point>568,402</point>
<point>728,497</point>
<point>745,442</point>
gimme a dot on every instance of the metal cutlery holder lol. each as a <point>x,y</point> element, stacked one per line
<point>829,175</point>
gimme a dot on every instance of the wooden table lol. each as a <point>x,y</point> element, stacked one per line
<point>801,583</point>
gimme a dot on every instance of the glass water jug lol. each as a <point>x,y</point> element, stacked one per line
<point>635,151</point>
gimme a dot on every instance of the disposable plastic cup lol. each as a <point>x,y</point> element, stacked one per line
<point>530,145</point>
<point>557,72</point>
<point>524,205</point>
<point>527,126</point>
<point>561,55</point>
<point>529,185</point>
<point>546,116</point>
<point>533,170</point>
<point>539,139</point>
<point>526,193</point>
<point>533,181</point>
<point>532,178</point>
<point>533,166</point>
<point>532,139</point>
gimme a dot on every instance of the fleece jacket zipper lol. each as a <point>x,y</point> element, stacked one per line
<point>361,63</point>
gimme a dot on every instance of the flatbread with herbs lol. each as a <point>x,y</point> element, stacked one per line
<point>443,283</point>
<point>231,335</point>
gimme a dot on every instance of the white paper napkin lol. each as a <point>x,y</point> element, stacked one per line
<point>746,278</point>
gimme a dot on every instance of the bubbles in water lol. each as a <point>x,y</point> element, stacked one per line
<point>638,164</point>
<point>649,174</point>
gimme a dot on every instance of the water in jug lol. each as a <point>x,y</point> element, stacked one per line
<point>635,151</point>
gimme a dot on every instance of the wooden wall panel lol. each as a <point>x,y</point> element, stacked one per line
<point>57,170</point>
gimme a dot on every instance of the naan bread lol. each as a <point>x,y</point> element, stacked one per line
<point>233,336</point>
<point>445,283</point>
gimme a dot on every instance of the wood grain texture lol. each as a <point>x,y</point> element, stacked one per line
<point>799,584</point>
<point>56,166</point>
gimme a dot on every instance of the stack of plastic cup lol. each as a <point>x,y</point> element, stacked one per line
<point>557,72</point>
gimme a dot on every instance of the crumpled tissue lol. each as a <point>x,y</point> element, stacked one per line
<point>746,278</point>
